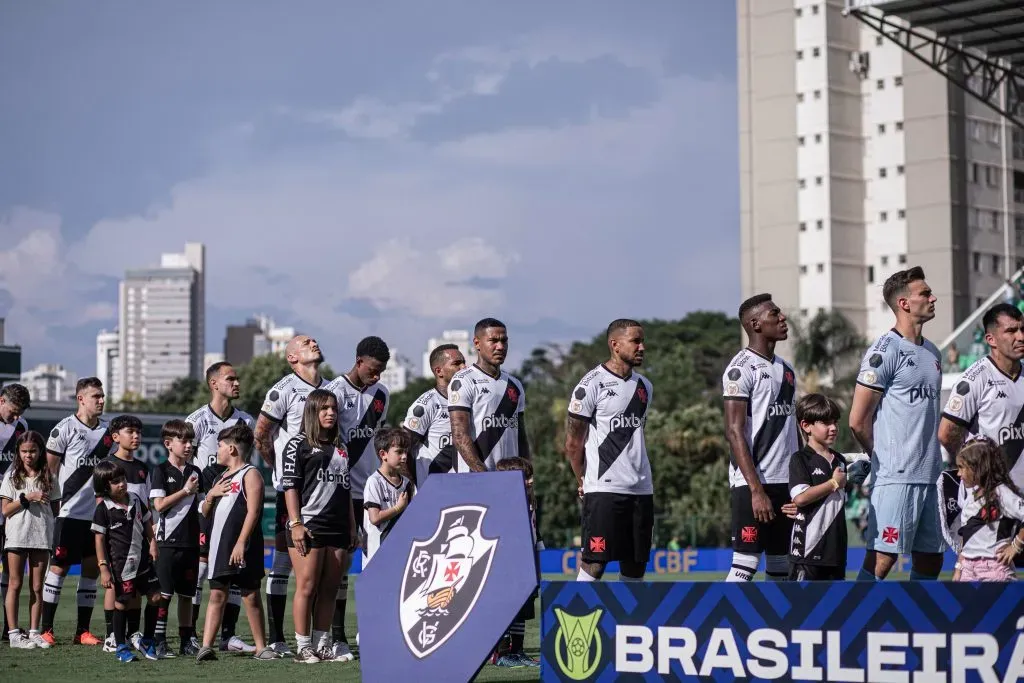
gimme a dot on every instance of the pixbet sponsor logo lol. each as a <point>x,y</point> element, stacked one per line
<point>500,422</point>
<point>621,421</point>
<point>444,441</point>
<point>1011,433</point>
<point>366,432</point>
<point>923,392</point>
<point>781,410</point>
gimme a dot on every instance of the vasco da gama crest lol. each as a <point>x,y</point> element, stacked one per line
<point>443,578</point>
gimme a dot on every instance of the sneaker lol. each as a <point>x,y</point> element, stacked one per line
<point>85,638</point>
<point>164,652</point>
<point>236,644</point>
<point>37,638</point>
<point>48,636</point>
<point>190,647</point>
<point>266,654</point>
<point>136,640</point>
<point>326,654</point>
<point>20,641</point>
<point>125,654</point>
<point>526,659</point>
<point>149,649</point>
<point>341,652</point>
<point>206,654</point>
<point>110,644</point>
<point>307,655</point>
<point>280,649</point>
<point>509,661</point>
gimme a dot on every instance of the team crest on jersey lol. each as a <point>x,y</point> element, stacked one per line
<point>512,394</point>
<point>444,576</point>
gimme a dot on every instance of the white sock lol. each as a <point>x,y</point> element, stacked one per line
<point>280,570</point>
<point>585,577</point>
<point>322,639</point>
<point>86,593</point>
<point>52,587</point>
<point>744,566</point>
<point>302,641</point>
<point>235,596</point>
<point>197,599</point>
<point>776,567</point>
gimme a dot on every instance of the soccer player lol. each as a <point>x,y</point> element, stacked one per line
<point>760,426</point>
<point>486,404</point>
<point>279,421</point>
<point>235,508</point>
<point>362,409</point>
<point>208,422</point>
<point>14,401</point>
<point>75,446</point>
<point>427,420</point>
<point>176,485</point>
<point>901,434</point>
<point>604,441</point>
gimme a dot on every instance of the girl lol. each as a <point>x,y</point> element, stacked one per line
<point>991,509</point>
<point>28,500</point>
<point>321,523</point>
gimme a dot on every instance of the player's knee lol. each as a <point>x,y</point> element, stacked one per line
<point>594,569</point>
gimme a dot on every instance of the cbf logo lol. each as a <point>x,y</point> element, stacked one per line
<point>578,644</point>
<point>443,578</point>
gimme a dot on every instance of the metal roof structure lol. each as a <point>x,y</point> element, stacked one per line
<point>976,44</point>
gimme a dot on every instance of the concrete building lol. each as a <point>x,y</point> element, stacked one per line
<point>399,372</point>
<point>259,336</point>
<point>108,363</point>
<point>10,360</point>
<point>162,322</point>
<point>857,160</point>
<point>50,382</point>
<point>461,338</point>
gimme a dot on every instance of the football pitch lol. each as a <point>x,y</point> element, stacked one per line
<point>67,662</point>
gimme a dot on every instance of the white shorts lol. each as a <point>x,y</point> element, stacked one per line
<point>904,518</point>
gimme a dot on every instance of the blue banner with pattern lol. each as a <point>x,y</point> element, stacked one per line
<point>827,631</point>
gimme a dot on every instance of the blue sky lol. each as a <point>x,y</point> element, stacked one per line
<point>396,171</point>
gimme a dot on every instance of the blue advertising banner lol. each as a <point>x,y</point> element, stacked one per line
<point>828,631</point>
<point>447,581</point>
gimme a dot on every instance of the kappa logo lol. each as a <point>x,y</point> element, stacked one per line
<point>444,576</point>
<point>1001,394</point>
<point>578,644</point>
<point>765,375</point>
<point>818,470</point>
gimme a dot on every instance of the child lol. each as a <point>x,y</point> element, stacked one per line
<point>321,522</point>
<point>234,506</point>
<point>817,484</point>
<point>123,526</point>
<point>29,496</point>
<point>991,509</point>
<point>126,432</point>
<point>176,484</point>
<point>510,652</point>
<point>387,492</point>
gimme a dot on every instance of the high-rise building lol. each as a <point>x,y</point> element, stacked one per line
<point>857,160</point>
<point>108,363</point>
<point>10,360</point>
<point>259,336</point>
<point>398,372</point>
<point>50,382</point>
<point>461,338</point>
<point>162,322</point>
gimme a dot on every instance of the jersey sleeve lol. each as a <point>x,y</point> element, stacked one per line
<point>878,367</point>
<point>461,393</point>
<point>521,406</point>
<point>292,464</point>
<point>1010,504</point>
<point>58,441</point>
<point>100,519</point>
<point>799,477</point>
<point>387,407</point>
<point>738,382</point>
<point>420,416</point>
<point>962,405</point>
<point>146,514</point>
<point>158,483</point>
<point>372,495</point>
<point>583,401</point>
<point>7,489</point>
<point>276,405</point>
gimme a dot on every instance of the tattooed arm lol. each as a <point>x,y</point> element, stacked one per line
<point>266,429</point>
<point>951,436</point>
<point>464,441</point>
<point>576,431</point>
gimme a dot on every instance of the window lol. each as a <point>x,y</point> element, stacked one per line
<point>821,267</point>
<point>817,138</point>
<point>898,81</point>
<point>879,41</point>
<point>799,97</point>
<point>902,259</point>
<point>978,301</point>
<point>816,52</point>
<point>817,181</point>
<point>901,214</point>
<point>885,260</point>
<point>997,263</point>
<point>899,125</point>
<point>803,226</point>
<point>819,225</point>
<point>882,173</point>
<point>883,217</point>
<point>799,11</point>
<point>803,270</point>
<point>976,258</point>
<point>975,130</point>
<point>817,94</point>
<point>975,173</point>
<point>800,140</point>
<point>881,129</point>
<point>899,170</point>
<point>880,84</point>
<point>991,177</point>
<point>799,54</point>
<point>996,222</point>
<point>993,133</point>
<point>871,275</point>
<point>814,9</point>
<point>803,183</point>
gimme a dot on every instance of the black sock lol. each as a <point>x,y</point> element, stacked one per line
<point>185,634</point>
<point>49,611</point>
<point>230,621</point>
<point>134,619</point>
<point>108,619</point>
<point>120,623</point>
<point>153,615</point>
<point>277,604</point>
<point>338,622</point>
<point>517,633</point>
<point>84,617</point>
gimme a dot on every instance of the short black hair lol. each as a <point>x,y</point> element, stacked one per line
<point>214,369</point>
<point>619,325</point>
<point>438,353</point>
<point>485,324</point>
<point>752,303</point>
<point>373,347</point>
<point>813,408</point>
<point>178,429</point>
<point>993,314</point>
<point>105,473</point>
<point>88,383</point>
<point>516,464</point>
<point>240,434</point>
<point>17,395</point>
<point>387,438</point>
<point>125,422</point>
<point>897,283</point>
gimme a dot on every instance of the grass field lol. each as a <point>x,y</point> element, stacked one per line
<point>67,662</point>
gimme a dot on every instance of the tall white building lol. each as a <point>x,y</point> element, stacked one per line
<point>162,322</point>
<point>857,160</point>
<point>461,338</point>
<point>108,363</point>
<point>398,372</point>
<point>50,382</point>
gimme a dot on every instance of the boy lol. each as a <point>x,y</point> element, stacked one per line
<point>176,485</point>
<point>234,508</point>
<point>126,431</point>
<point>387,492</point>
<point>817,484</point>
<point>122,526</point>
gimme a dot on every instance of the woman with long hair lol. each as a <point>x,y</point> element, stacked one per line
<point>321,523</point>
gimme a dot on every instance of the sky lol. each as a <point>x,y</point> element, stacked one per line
<point>396,170</point>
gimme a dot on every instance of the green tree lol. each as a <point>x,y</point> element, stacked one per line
<point>401,400</point>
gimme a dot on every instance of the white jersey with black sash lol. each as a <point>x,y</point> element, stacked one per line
<point>361,412</point>
<point>226,527</point>
<point>207,424</point>
<point>496,405</point>
<point>428,418</point>
<point>79,448</point>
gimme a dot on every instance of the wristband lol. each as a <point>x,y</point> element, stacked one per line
<point>104,563</point>
<point>835,484</point>
<point>23,499</point>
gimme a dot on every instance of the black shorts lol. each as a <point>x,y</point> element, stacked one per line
<point>750,536</point>
<point>617,527</point>
<point>357,506</point>
<point>324,539</point>
<point>814,572</point>
<point>73,541</point>
<point>246,580</point>
<point>144,583</point>
<point>177,569</point>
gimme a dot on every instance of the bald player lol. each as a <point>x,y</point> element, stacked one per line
<point>281,419</point>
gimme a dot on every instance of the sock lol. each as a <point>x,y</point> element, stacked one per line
<point>915,576</point>
<point>51,596</point>
<point>152,614</point>
<point>197,599</point>
<point>865,575</point>
<point>185,634</point>
<point>744,566</point>
<point>583,576</point>
<point>133,619</point>
<point>303,641</point>
<point>320,639</point>
<point>229,620</point>
<point>160,632</point>
<point>517,631</point>
<point>86,601</point>
<point>776,567</point>
<point>3,595</point>
<point>120,627</point>
<point>340,606</point>
<point>277,594</point>
<point>108,620</point>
